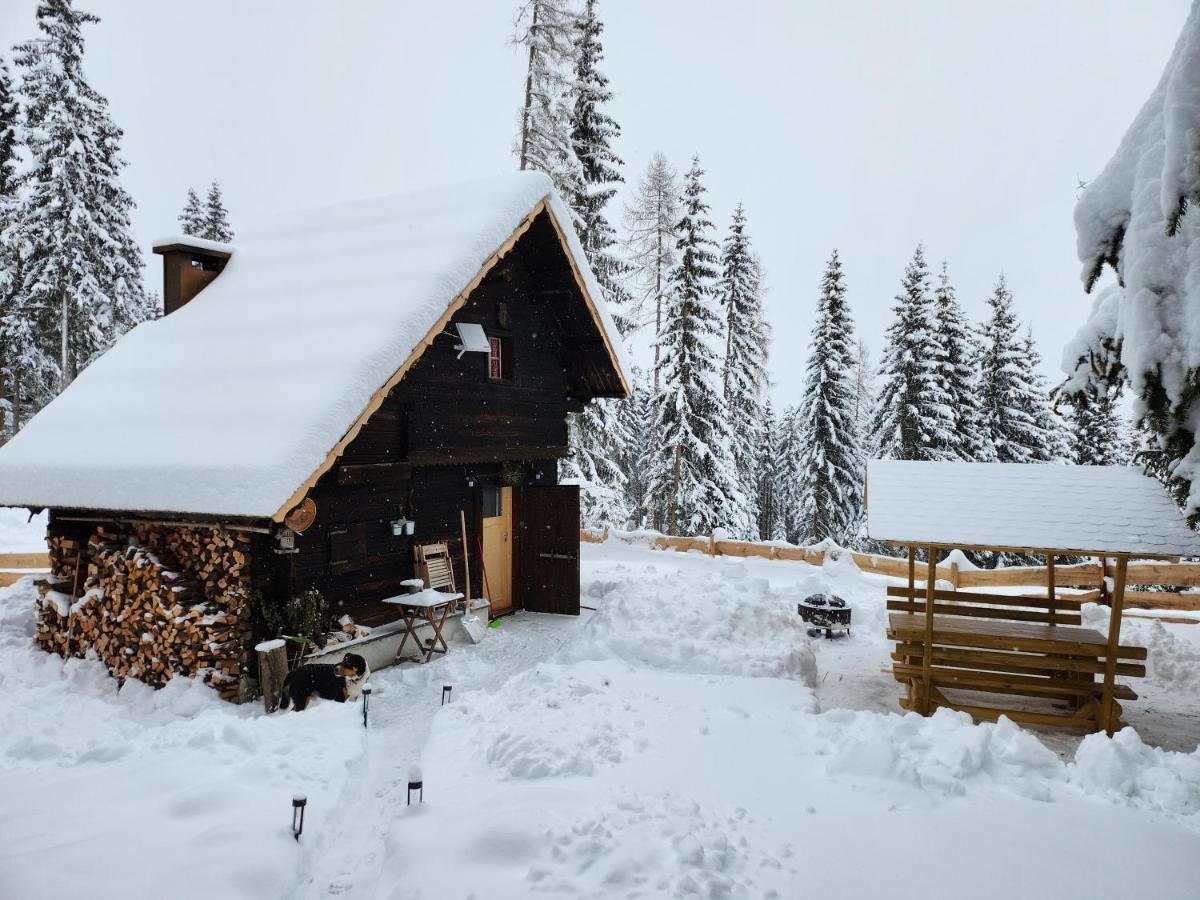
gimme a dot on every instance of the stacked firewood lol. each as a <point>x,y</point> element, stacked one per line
<point>152,603</point>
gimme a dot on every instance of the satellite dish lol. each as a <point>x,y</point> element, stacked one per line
<point>473,339</point>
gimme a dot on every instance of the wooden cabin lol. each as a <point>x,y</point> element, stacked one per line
<point>335,389</point>
<point>1029,657</point>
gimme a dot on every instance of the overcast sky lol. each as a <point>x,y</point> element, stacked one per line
<point>866,126</point>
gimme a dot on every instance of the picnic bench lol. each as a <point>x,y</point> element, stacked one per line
<point>1029,658</point>
<point>1015,646</point>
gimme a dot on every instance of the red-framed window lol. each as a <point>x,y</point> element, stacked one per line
<point>495,359</point>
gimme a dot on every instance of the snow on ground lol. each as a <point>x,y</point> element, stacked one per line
<point>19,533</point>
<point>684,739</point>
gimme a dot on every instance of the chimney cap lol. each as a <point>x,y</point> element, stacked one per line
<point>194,244</point>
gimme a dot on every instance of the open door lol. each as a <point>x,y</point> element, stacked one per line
<point>549,548</point>
<point>498,547</point>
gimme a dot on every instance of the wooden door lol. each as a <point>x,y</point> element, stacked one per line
<point>498,547</point>
<point>550,549</point>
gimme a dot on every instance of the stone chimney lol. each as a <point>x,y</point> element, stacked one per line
<point>189,264</point>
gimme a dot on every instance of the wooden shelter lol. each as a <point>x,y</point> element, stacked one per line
<point>350,383</point>
<point>955,647</point>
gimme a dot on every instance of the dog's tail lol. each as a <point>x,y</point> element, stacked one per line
<point>285,699</point>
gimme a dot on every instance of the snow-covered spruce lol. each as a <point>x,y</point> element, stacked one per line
<point>691,480</point>
<point>789,446</point>
<point>766,473</point>
<point>1009,401</point>
<point>744,374</point>
<point>957,352</point>
<point>1139,217</point>
<point>1097,438</point>
<point>599,436</point>
<point>71,234</point>
<point>913,418</point>
<point>216,218</point>
<point>831,456</point>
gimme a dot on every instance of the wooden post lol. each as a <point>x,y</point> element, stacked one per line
<point>1050,585</point>
<point>272,670</point>
<point>1108,718</point>
<point>712,543</point>
<point>927,658</point>
<point>1104,594</point>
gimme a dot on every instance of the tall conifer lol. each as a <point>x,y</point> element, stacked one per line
<point>216,218</point>
<point>956,371</point>
<point>78,264</point>
<point>913,419</point>
<point>831,456</point>
<point>692,479</point>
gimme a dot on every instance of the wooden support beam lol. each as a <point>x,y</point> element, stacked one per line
<point>927,654</point>
<point>1108,716</point>
<point>1050,582</point>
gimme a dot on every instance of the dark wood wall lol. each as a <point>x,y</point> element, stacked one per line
<point>443,426</point>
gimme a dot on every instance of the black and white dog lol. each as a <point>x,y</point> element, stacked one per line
<point>339,682</point>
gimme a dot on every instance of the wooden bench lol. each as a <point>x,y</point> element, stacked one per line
<point>1016,646</point>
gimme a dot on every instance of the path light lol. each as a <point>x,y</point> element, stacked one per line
<point>298,803</point>
<point>415,784</point>
<point>446,689</point>
<point>366,695</point>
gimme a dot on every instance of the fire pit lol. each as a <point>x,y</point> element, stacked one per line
<point>825,613</point>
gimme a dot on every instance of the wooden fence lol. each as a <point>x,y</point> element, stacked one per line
<point>14,566</point>
<point>1084,575</point>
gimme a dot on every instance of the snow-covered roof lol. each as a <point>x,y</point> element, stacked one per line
<point>1092,510</point>
<point>230,404</point>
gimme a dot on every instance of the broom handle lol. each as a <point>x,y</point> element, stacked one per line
<point>487,587</point>
<point>466,559</point>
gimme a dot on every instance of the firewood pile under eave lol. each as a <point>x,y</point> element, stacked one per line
<point>151,603</point>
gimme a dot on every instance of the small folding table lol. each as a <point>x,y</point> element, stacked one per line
<point>424,605</point>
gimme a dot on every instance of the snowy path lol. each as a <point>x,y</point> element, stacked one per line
<point>403,705</point>
<point>667,745</point>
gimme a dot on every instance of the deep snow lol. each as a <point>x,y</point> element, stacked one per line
<point>682,740</point>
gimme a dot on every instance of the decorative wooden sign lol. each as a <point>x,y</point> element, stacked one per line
<point>302,516</point>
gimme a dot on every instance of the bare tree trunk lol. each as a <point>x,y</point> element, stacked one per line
<point>63,378</point>
<point>525,112</point>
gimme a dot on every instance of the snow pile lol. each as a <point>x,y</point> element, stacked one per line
<point>1125,770</point>
<point>718,620</point>
<point>144,793</point>
<point>314,312</point>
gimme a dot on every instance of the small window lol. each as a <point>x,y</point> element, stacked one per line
<point>493,502</point>
<point>499,359</point>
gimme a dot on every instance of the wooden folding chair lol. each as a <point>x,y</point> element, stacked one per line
<point>435,566</point>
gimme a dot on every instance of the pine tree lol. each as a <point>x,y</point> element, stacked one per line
<point>546,31</point>
<point>635,429</point>
<point>650,226</point>
<point>79,267</point>
<point>9,123</point>
<point>599,434</point>
<point>864,393</point>
<point>1050,443</point>
<point>913,419</point>
<point>744,373</point>
<point>191,220</point>
<point>216,219</point>
<point>789,522</point>
<point>1097,438</point>
<point>692,480</point>
<point>956,371</point>
<point>766,472</point>
<point>831,457</point>
<point>1008,420</point>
